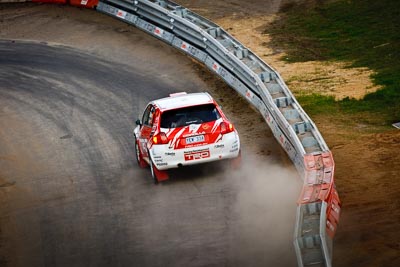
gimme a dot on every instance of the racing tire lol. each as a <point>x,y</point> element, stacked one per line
<point>140,161</point>
<point>153,172</point>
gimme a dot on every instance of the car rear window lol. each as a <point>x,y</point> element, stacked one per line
<point>189,115</point>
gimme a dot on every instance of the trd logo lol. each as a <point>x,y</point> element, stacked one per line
<point>194,155</point>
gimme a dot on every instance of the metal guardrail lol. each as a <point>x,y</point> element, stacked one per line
<point>319,205</point>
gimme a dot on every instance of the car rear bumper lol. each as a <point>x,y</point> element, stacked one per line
<point>165,158</point>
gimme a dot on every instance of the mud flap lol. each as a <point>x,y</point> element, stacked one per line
<point>142,164</point>
<point>158,176</point>
<point>161,175</point>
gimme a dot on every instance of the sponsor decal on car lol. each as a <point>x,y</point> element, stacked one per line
<point>219,146</point>
<point>235,147</point>
<point>162,164</point>
<point>197,154</point>
<point>171,154</point>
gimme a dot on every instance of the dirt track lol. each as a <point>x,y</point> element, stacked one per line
<point>367,164</point>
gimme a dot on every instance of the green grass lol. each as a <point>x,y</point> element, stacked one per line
<point>364,32</point>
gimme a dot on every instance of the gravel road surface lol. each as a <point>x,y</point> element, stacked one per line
<point>72,194</point>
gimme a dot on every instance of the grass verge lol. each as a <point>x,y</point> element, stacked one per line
<point>364,32</point>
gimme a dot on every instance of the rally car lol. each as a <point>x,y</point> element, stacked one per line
<point>183,129</point>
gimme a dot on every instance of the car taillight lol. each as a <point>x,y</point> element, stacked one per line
<point>226,127</point>
<point>160,138</point>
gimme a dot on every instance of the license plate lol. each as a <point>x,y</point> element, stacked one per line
<point>195,139</point>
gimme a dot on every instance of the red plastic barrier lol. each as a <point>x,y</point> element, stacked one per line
<point>314,193</point>
<point>84,3</point>
<point>319,168</point>
<point>319,186</point>
<point>331,227</point>
<point>328,193</point>
<point>318,178</point>
<point>51,1</point>
<point>333,212</point>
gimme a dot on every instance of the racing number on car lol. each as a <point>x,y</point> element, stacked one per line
<point>195,155</point>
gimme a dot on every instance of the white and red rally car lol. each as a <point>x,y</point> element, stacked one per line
<point>183,129</point>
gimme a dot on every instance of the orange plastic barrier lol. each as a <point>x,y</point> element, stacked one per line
<point>333,212</point>
<point>314,193</point>
<point>84,3</point>
<point>318,178</point>
<point>319,168</point>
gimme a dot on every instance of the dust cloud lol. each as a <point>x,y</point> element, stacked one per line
<point>264,214</point>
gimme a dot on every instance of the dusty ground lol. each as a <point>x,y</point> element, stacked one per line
<point>367,159</point>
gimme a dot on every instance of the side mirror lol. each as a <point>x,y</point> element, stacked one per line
<point>138,122</point>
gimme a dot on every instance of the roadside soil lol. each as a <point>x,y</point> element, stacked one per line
<point>367,158</point>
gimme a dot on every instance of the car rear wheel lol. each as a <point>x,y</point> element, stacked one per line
<point>139,158</point>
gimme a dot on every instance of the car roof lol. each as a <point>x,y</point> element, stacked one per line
<point>183,100</point>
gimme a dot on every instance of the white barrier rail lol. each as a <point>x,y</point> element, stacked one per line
<point>319,205</point>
